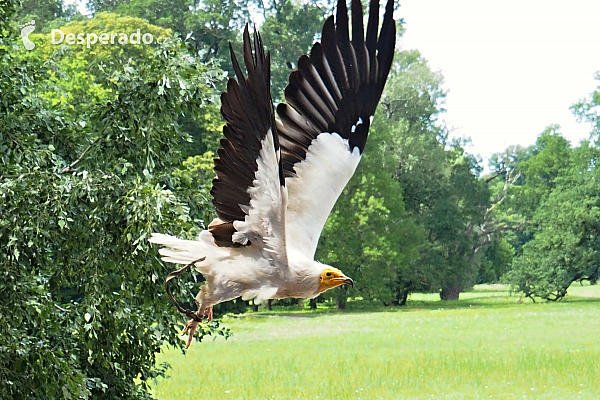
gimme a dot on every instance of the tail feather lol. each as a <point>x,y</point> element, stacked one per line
<point>178,251</point>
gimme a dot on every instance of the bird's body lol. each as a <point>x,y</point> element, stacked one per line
<point>277,181</point>
<point>243,272</point>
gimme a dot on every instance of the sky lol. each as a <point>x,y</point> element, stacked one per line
<point>511,67</point>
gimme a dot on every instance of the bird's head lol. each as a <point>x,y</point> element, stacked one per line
<point>332,277</point>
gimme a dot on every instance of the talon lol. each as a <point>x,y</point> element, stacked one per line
<point>191,328</point>
<point>192,324</point>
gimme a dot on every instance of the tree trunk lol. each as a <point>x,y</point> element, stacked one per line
<point>402,297</point>
<point>399,301</point>
<point>450,292</point>
<point>341,302</point>
<point>270,305</point>
<point>313,303</point>
<point>254,306</point>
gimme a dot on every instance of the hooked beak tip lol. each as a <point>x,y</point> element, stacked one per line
<point>349,281</point>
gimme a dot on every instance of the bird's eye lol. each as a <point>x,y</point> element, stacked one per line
<point>328,274</point>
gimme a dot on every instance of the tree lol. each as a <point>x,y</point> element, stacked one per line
<point>549,158</point>
<point>497,261</point>
<point>440,182</point>
<point>369,234</point>
<point>44,12</point>
<point>289,30</point>
<point>87,69</point>
<point>503,218</point>
<point>588,110</point>
<point>80,192</point>
<point>87,78</point>
<point>208,25</point>
<point>565,226</point>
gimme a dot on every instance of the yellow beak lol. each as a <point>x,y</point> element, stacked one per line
<point>344,280</point>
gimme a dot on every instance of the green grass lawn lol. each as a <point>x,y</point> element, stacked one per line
<point>486,345</point>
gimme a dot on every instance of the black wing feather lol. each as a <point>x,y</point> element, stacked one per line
<point>248,110</point>
<point>340,83</point>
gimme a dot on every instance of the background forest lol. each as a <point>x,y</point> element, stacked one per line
<point>102,146</point>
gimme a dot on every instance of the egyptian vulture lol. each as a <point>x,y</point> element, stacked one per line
<point>277,180</point>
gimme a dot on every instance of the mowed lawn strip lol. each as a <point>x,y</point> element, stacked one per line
<point>486,346</point>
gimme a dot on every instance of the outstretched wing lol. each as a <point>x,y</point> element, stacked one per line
<point>249,192</point>
<point>331,100</point>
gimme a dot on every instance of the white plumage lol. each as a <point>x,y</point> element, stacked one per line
<point>277,181</point>
<point>307,212</point>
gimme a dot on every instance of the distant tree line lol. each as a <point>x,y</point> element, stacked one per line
<point>102,146</point>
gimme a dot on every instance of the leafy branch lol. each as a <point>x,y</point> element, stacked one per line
<point>70,168</point>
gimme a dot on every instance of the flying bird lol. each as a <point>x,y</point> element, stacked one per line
<point>277,180</point>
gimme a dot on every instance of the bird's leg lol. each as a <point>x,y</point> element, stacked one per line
<point>192,324</point>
